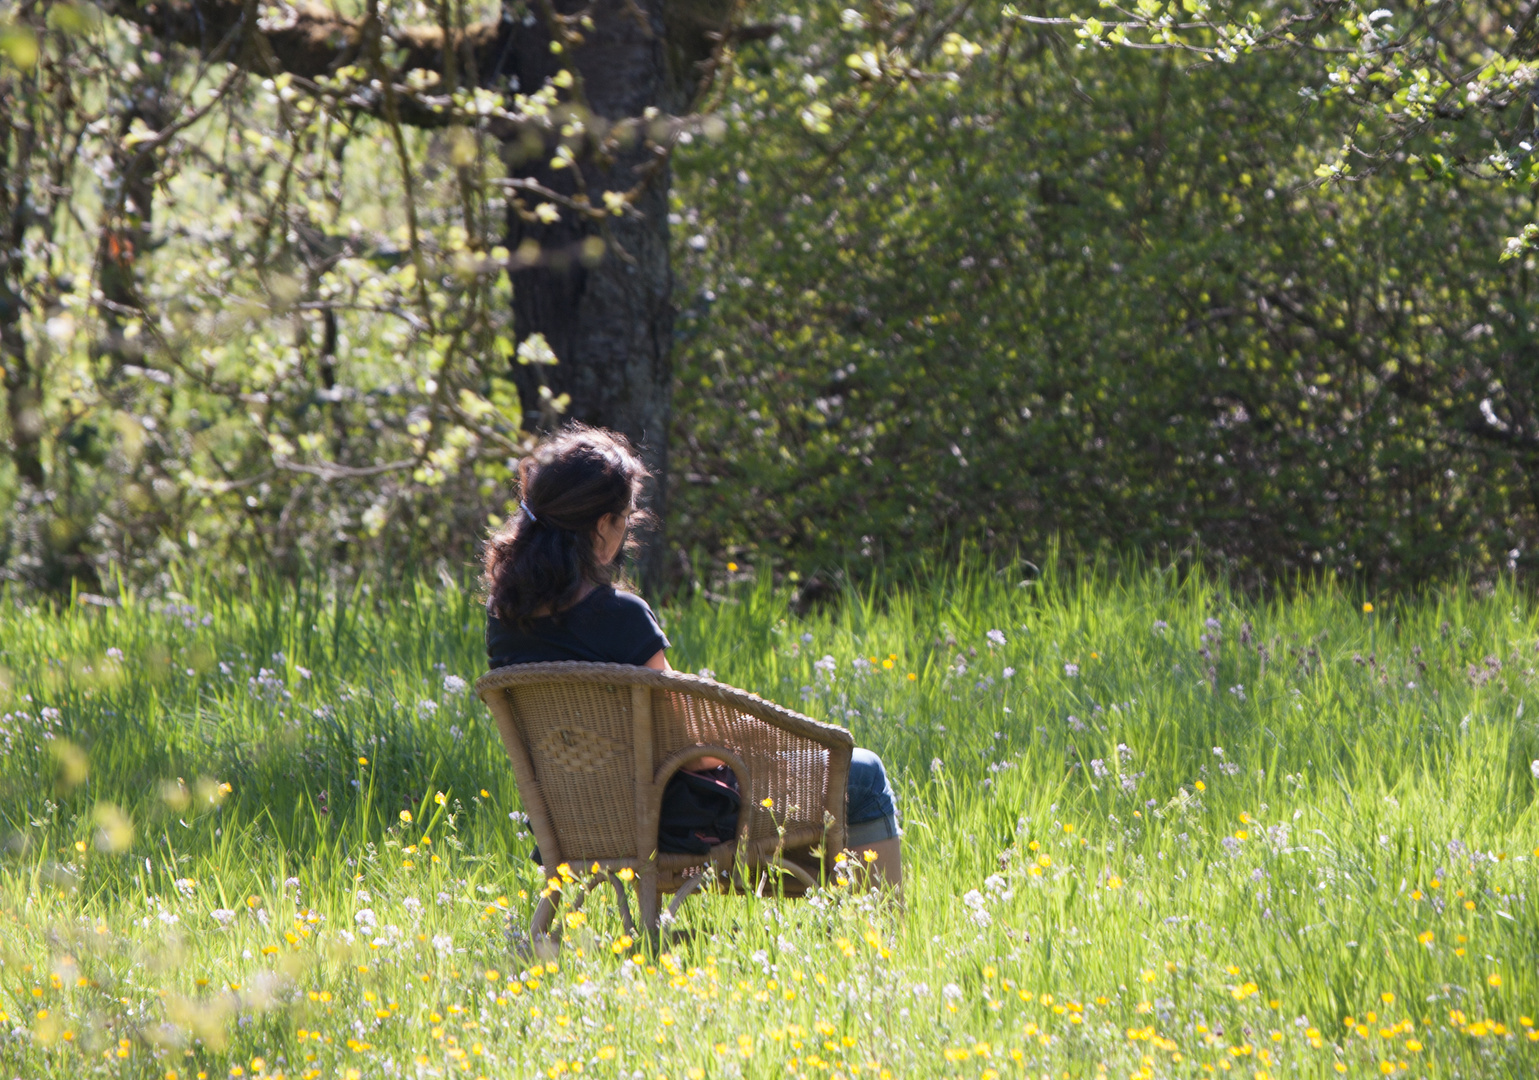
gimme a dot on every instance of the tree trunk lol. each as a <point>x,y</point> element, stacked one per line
<point>23,391</point>
<point>602,303</point>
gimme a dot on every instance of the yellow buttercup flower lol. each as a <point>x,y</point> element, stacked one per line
<point>1367,609</point>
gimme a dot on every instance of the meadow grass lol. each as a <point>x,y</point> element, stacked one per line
<point>1152,829</point>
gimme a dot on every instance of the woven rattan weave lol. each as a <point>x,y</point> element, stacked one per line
<point>593,745</point>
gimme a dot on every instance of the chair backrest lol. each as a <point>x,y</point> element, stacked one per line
<point>586,739</point>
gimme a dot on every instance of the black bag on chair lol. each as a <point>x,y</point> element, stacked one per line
<point>699,811</point>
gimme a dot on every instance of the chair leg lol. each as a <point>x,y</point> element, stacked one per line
<point>689,888</point>
<point>622,901</point>
<point>646,900</point>
<point>544,931</point>
<point>786,866</point>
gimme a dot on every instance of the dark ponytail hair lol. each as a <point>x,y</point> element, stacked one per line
<point>539,560</point>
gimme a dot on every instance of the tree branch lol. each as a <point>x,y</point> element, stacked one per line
<point>310,41</point>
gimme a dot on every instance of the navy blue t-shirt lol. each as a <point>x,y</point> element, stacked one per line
<point>606,626</point>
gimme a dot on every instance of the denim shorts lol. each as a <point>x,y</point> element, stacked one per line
<point>870,810</point>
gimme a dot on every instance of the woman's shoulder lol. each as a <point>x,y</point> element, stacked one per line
<point>626,610</point>
<point>615,601</point>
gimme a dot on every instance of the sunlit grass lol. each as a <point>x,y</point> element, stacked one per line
<point>1152,828</point>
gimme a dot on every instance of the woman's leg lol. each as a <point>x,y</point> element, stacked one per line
<point>871,816</point>
<point>887,865</point>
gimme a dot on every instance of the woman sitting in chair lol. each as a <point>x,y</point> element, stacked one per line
<point>548,579</point>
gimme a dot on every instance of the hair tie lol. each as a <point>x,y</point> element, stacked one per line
<point>525,508</point>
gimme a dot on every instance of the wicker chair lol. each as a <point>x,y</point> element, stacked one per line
<point>592,747</point>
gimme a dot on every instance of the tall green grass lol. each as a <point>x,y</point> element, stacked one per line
<point>1152,828</point>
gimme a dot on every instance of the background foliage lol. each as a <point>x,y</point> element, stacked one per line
<point>944,275</point>
<point>1094,294</point>
<point>242,318</point>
